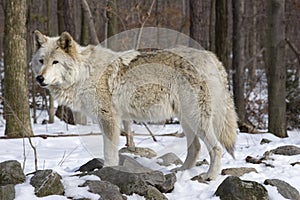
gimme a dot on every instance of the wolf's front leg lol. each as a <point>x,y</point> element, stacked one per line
<point>111,130</point>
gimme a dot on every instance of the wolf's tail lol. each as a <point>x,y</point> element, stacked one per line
<point>228,128</point>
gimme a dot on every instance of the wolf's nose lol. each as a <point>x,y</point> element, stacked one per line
<point>40,79</point>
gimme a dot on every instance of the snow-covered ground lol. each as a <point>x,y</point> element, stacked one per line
<point>66,154</point>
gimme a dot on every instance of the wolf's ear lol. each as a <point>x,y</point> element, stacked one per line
<point>66,42</point>
<point>39,39</point>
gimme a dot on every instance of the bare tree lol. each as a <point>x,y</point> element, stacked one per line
<point>238,42</point>
<point>16,102</point>
<point>276,68</point>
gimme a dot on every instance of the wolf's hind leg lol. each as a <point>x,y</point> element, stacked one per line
<point>215,153</point>
<point>193,146</point>
<point>129,134</point>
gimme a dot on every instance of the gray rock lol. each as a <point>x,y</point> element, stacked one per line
<point>238,171</point>
<point>288,150</point>
<point>285,189</point>
<point>139,151</point>
<point>265,141</point>
<point>106,190</point>
<point>170,158</point>
<point>154,194</point>
<point>233,188</point>
<point>96,163</point>
<point>168,185</point>
<point>132,165</point>
<point>47,182</point>
<point>7,192</point>
<point>129,182</point>
<point>11,173</point>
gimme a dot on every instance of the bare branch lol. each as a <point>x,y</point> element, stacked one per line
<point>148,14</point>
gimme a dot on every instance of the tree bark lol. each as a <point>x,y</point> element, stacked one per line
<point>16,102</point>
<point>238,55</point>
<point>276,68</point>
<point>195,17</point>
<point>221,31</point>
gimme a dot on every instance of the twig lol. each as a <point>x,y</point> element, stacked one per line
<point>148,14</point>
<point>28,132</point>
<point>34,153</point>
<point>148,129</point>
<point>294,49</point>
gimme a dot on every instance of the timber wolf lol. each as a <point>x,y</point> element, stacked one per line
<point>110,86</point>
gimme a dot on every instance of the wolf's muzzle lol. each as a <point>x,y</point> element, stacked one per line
<point>40,79</point>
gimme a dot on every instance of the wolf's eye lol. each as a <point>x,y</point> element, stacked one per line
<point>41,61</point>
<point>54,62</point>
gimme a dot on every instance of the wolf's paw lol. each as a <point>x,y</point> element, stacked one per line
<point>204,178</point>
<point>177,169</point>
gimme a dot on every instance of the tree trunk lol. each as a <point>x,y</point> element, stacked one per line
<point>238,55</point>
<point>91,26</point>
<point>276,68</point>
<point>221,32</point>
<point>195,17</point>
<point>212,17</point>
<point>16,102</point>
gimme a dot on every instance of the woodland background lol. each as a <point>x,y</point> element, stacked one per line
<point>257,41</point>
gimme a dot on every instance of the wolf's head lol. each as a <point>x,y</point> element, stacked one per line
<point>55,60</point>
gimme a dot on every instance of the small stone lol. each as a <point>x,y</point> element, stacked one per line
<point>201,162</point>
<point>139,151</point>
<point>238,171</point>
<point>47,182</point>
<point>288,150</point>
<point>285,189</point>
<point>11,173</point>
<point>170,158</point>
<point>265,141</point>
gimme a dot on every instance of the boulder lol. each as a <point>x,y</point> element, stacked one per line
<point>11,173</point>
<point>47,182</point>
<point>130,182</point>
<point>139,151</point>
<point>132,165</point>
<point>285,189</point>
<point>233,188</point>
<point>7,192</point>
<point>168,159</point>
<point>96,163</point>
<point>168,185</point>
<point>106,190</point>
<point>154,194</point>
<point>238,171</point>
